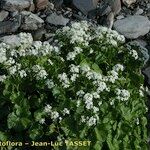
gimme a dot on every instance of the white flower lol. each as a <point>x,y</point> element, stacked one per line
<point>137,121</point>
<point>54,115</point>
<point>134,54</point>
<point>22,73</point>
<point>97,76</point>
<point>12,70</point>
<point>37,45</point>
<point>74,69</point>
<point>48,109</point>
<point>96,95</point>
<point>113,76</point>
<point>122,95</point>
<point>50,62</point>
<point>42,74</point>
<point>100,103</point>
<point>71,56</point>
<point>89,75</point>
<point>83,119</point>
<point>78,103</point>
<point>74,77</point>
<point>66,111</point>
<point>88,98</point>
<point>85,68</point>
<point>50,84</point>
<point>113,42</point>
<point>95,109</point>
<point>42,121</point>
<point>101,86</point>
<point>64,79</point>
<point>78,50</point>
<point>2,78</point>
<point>91,121</point>
<point>3,56</point>
<point>80,93</point>
<point>118,67</point>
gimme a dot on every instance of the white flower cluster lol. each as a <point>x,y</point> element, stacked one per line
<point>122,95</point>
<point>75,72</point>
<point>88,98</point>
<point>64,80</point>
<point>141,91</point>
<point>40,72</point>
<point>118,67</point>
<point>25,40</point>
<point>134,54</point>
<point>72,55</point>
<point>78,33</point>
<point>53,114</point>
<point>13,69</point>
<point>113,76</point>
<point>2,78</point>
<point>90,121</point>
<point>110,36</point>
<point>3,50</point>
<point>50,84</point>
<point>66,111</point>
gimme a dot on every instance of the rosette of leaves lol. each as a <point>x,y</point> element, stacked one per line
<point>86,85</point>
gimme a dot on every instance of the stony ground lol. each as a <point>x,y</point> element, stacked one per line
<point>43,17</point>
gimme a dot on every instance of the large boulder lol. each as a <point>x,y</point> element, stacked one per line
<point>17,5</point>
<point>31,21</point>
<point>133,26</point>
<point>57,19</point>
<point>85,5</point>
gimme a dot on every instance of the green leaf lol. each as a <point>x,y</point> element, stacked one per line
<point>3,136</point>
<point>96,68</point>
<point>25,122</point>
<point>98,146</point>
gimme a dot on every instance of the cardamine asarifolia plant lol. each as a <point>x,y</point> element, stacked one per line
<point>86,85</point>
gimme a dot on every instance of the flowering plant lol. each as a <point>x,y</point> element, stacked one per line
<point>86,85</point>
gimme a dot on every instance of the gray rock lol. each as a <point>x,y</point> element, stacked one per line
<point>38,35</point>
<point>133,26</point>
<point>120,17</point>
<point>12,40</point>
<point>139,11</point>
<point>146,72</point>
<point>128,2</point>
<point>57,19</point>
<point>10,25</point>
<point>85,5</point>
<point>3,15</point>
<point>30,21</point>
<point>16,5</point>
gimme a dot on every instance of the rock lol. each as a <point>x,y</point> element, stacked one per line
<point>41,4</point>
<point>142,50</point>
<point>3,14</point>
<point>13,40</point>
<point>128,2</point>
<point>38,34</point>
<point>120,17</point>
<point>30,21</point>
<point>116,6</point>
<point>58,3</point>
<point>17,5</point>
<point>139,11</point>
<point>57,19</point>
<point>10,26</point>
<point>133,26</point>
<point>85,5</point>
<point>146,72</point>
